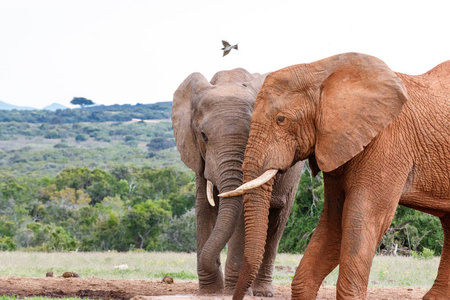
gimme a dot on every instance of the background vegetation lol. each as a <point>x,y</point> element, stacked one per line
<point>386,271</point>
<point>99,113</point>
<point>98,180</point>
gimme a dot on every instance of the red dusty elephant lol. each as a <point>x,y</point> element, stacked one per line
<point>381,139</point>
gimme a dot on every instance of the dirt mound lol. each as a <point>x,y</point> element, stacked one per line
<point>97,288</point>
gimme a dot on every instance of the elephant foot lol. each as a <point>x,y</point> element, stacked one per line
<point>437,294</point>
<point>230,291</point>
<point>229,288</point>
<point>263,289</point>
<point>216,289</point>
<point>211,284</point>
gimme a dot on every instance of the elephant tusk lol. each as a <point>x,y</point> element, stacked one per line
<point>251,184</point>
<point>209,193</point>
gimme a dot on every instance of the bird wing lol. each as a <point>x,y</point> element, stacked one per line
<point>225,43</point>
<point>225,52</point>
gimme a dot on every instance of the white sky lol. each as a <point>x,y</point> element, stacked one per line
<point>132,51</point>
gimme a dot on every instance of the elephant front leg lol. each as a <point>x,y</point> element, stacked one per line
<point>210,278</point>
<point>366,217</point>
<point>234,257</point>
<point>322,254</point>
<point>441,286</point>
<point>210,282</point>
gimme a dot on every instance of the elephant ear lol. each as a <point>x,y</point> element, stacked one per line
<point>183,98</point>
<point>257,82</point>
<point>357,101</point>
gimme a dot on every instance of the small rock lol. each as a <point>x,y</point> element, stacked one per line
<point>49,274</point>
<point>167,279</point>
<point>70,275</point>
<point>67,274</point>
<point>121,267</point>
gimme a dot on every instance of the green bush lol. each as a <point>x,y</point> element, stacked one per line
<point>7,244</point>
<point>81,138</point>
<point>59,240</point>
<point>180,233</point>
<point>61,146</point>
<point>52,135</point>
<point>305,214</point>
<point>425,254</point>
<point>414,230</point>
<point>160,143</point>
<point>144,222</point>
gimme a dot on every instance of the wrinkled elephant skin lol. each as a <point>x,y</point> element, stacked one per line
<point>381,139</point>
<point>211,122</point>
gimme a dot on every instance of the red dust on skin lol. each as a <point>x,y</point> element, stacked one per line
<point>380,140</point>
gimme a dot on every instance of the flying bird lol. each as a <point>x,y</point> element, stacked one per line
<point>227,47</point>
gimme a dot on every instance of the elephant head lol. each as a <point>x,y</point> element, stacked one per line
<point>211,122</point>
<point>327,111</point>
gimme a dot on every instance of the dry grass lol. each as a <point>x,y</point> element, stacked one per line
<point>387,271</point>
<point>141,265</point>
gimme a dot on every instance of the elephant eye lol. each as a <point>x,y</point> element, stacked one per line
<point>205,138</point>
<point>280,119</point>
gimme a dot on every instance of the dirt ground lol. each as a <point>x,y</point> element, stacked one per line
<point>97,288</point>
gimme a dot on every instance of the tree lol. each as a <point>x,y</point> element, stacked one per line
<point>179,233</point>
<point>160,143</point>
<point>7,243</point>
<point>81,102</point>
<point>305,213</point>
<point>59,239</point>
<point>80,138</point>
<point>144,222</point>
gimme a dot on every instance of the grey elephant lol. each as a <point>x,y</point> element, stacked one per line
<point>211,122</point>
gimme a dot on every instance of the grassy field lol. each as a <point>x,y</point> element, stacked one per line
<point>387,271</point>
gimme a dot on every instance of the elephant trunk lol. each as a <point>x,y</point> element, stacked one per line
<point>230,209</point>
<point>256,213</point>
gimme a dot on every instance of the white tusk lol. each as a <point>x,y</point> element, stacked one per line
<point>251,184</point>
<point>209,193</point>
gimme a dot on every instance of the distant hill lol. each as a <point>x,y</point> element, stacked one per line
<point>7,106</point>
<point>54,107</point>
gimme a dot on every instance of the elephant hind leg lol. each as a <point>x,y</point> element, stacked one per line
<point>441,286</point>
